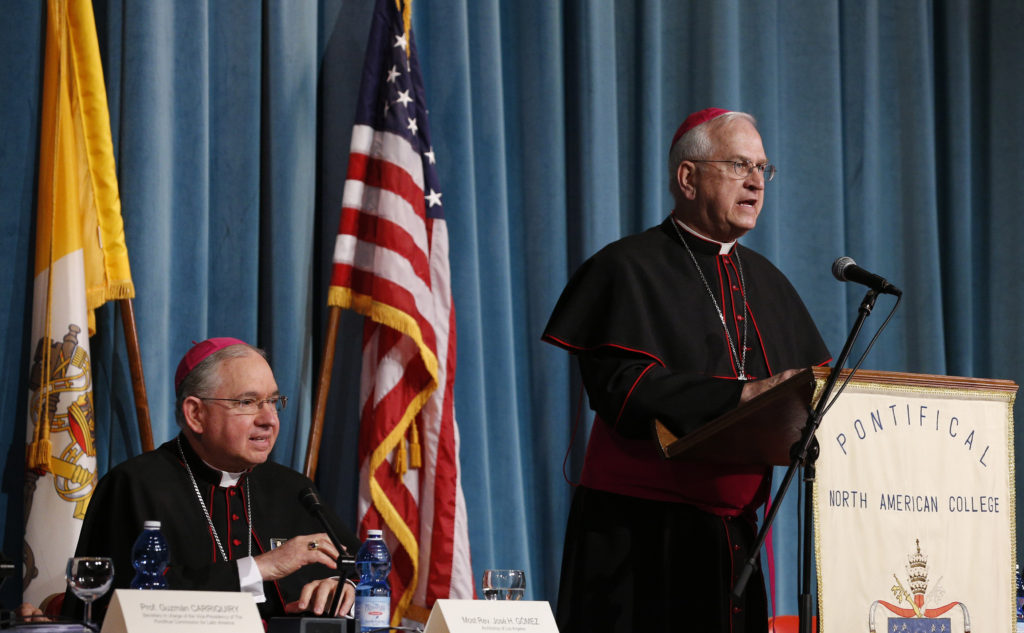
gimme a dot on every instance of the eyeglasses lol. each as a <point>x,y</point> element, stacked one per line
<point>252,406</point>
<point>743,168</point>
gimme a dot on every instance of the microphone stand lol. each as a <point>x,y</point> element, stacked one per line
<point>805,451</point>
<point>312,502</point>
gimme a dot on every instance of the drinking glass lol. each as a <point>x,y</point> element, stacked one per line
<point>504,584</point>
<point>89,578</point>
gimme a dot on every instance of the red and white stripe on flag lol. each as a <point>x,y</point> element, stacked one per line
<point>391,265</point>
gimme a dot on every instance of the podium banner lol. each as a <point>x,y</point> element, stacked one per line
<point>914,507</point>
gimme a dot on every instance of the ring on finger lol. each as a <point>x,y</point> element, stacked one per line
<point>313,545</point>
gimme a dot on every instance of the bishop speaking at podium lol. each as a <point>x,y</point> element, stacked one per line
<point>681,324</point>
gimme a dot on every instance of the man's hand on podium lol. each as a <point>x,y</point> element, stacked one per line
<point>754,388</point>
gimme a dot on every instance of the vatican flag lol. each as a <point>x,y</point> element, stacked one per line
<point>81,262</point>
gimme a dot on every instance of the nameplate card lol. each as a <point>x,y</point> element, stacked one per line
<point>158,611</point>
<point>491,616</point>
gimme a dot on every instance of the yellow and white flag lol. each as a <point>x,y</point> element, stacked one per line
<point>81,262</point>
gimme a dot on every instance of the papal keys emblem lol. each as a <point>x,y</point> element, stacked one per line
<point>62,441</point>
<point>60,405</point>
<point>915,617</point>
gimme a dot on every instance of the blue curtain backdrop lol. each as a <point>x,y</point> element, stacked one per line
<point>895,126</point>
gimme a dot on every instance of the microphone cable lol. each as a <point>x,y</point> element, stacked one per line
<point>863,356</point>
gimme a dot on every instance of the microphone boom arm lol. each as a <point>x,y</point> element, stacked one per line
<point>311,500</point>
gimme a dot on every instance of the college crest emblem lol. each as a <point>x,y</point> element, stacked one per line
<point>917,616</point>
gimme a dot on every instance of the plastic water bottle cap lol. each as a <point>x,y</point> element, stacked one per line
<point>151,525</point>
<point>375,533</point>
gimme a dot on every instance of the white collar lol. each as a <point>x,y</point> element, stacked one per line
<point>227,480</point>
<point>723,247</point>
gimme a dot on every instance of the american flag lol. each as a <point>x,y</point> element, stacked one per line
<point>391,265</point>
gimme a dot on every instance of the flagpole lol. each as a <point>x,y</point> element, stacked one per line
<point>323,387</point>
<point>131,337</point>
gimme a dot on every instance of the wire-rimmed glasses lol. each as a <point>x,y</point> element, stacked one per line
<point>252,406</point>
<point>743,168</point>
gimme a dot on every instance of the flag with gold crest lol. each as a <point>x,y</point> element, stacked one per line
<point>81,262</point>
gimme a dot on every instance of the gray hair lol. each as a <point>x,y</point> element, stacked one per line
<point>204,377</point>
<point>696,145</point>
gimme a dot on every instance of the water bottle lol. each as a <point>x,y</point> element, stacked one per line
<point>373,593</point>
<point>150,556</point>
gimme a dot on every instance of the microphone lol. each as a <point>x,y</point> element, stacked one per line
<point>845,269</point>
<point>311,500</point>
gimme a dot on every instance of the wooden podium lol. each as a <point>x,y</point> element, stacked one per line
<point>763,429</point>
<point>759,432</point>
<point>914,503</point>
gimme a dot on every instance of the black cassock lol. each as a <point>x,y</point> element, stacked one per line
<point>156,486</point>
<point>653,544</point>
